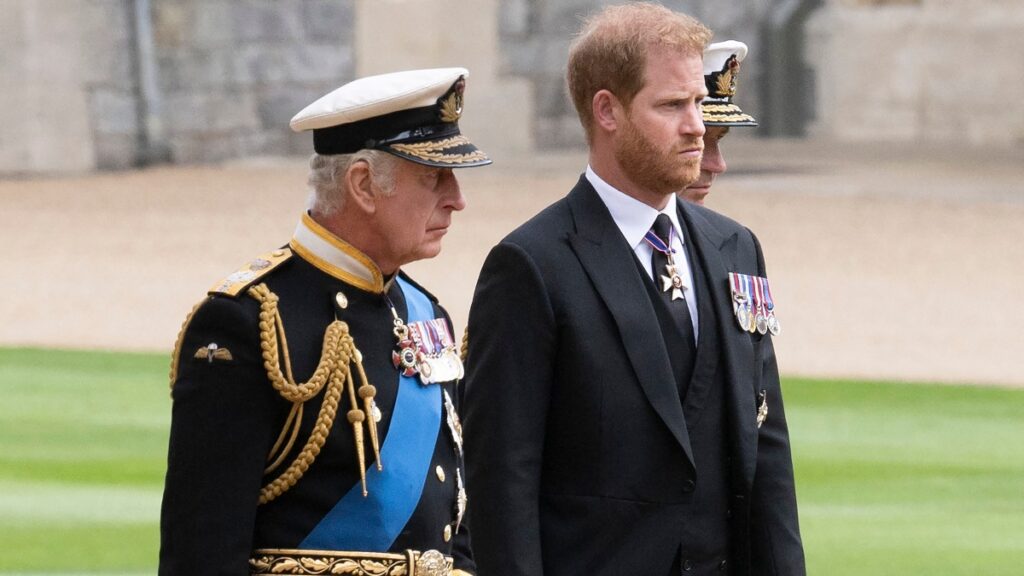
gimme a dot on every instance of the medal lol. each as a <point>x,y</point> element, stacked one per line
<point>742,316</point>
<point>404,354</point>
<point>752,324</point>
<point>752,303</point>
<point>437,358</point>
<point>773,322</point>
<point>740,300</point>
<point>426,348</point>
<point>760,319</point>
<point>671,280</point>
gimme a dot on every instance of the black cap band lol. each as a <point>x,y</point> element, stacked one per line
<point>401,126</point>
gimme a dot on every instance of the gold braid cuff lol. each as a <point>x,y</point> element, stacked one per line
<point>334,372</point>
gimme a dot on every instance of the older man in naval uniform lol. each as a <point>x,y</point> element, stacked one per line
<point>721,72</point>
<point>623,413</point>
<point>314,426</point>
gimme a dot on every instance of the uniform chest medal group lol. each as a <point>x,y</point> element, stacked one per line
<point>428,349</point>
<point>753,304</point>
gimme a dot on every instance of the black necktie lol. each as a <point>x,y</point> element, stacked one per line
<point>663,279</point>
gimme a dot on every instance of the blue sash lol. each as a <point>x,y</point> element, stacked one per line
<point>371,523</point>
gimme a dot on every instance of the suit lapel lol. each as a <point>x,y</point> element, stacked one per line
<point>716,254</point>
<point>604,254</point>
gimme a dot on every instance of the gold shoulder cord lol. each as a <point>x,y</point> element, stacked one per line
<point>338,357</point>
<point>464,352</point>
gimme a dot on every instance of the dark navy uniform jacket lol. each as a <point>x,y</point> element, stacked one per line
<point>227,416</point>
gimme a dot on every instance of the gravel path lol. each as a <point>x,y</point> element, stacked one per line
<point>885,263</point>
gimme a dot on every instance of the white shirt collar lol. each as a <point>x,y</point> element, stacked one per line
<point>633,217</point>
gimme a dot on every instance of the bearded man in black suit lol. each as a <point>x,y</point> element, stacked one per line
<point>623,408</point>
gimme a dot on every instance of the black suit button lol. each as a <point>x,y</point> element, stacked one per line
<point>687,565</point>
<point>689,485</point>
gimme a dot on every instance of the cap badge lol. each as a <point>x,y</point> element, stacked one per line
<point>451,103</point>
<point>726,84</point>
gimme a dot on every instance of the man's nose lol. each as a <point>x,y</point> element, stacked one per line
<point>713,161</point>
<point>693,124</point>
<point>453,192</point>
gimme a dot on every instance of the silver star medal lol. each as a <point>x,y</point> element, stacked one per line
<point>673,281</point>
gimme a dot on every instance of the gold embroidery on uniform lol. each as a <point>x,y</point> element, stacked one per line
<point>251,272</point>
<point>451,108</point>
<point>334,372</point>
<point>728,118</point>
<point>724,84</point>
<point>272,561</point>
<point>432,150</point>
<point>706,107</point>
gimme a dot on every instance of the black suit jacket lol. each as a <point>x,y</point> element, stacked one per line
<point>578,453</point>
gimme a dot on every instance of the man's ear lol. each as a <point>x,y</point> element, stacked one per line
<point>359,187</point>
<point>607,110</point>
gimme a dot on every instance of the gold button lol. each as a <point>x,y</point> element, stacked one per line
<point>447,532</point>
<point>341,300</point>
<point>278,253</point>
<point>440,473</point>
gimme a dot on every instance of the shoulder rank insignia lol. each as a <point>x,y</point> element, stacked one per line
<point>212,352</point>
<point>236,282</point>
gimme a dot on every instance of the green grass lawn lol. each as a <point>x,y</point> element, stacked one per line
<point>892,478</point>
<point>909,479</point>
<point>83,445</point>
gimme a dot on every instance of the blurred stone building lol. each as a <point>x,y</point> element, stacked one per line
<point>109,84</point>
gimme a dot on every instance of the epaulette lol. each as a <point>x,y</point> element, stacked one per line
<point>238,281</point>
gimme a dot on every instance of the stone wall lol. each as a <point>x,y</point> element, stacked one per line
<point>67,91</point>
<point>231,73</point>
<point>229,76</point>
<point>924,71</point>
<point>234,72</point>
<point>535,37</point>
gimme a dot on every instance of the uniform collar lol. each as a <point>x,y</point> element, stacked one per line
<point>335,257</point>
<point>633,217</point>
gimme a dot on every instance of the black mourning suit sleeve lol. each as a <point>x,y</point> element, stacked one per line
<point>509,377</point>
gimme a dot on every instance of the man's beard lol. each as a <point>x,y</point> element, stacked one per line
<point>655,170</point>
